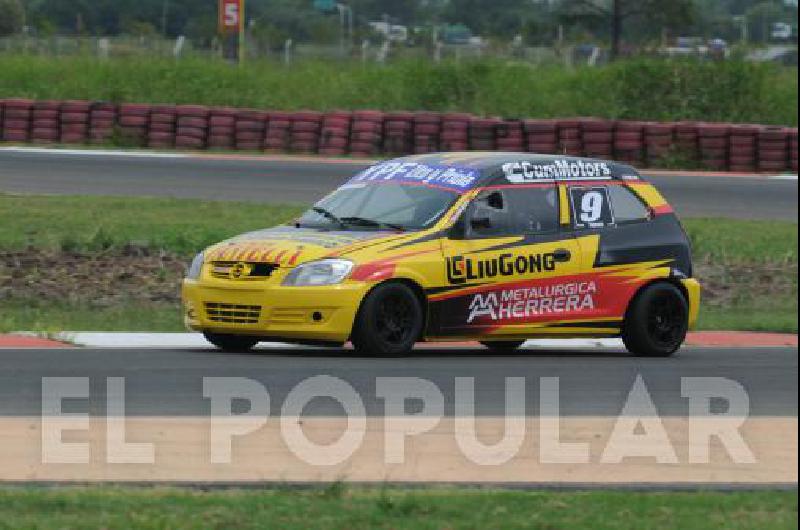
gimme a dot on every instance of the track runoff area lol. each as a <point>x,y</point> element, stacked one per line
<point>167,409</point>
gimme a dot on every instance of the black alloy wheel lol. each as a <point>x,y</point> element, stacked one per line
<point>657,321</point>
<point>389,321</point>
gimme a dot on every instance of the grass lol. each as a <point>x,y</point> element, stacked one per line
<point>654,89</point>
<point>102,223</point>
<point>340,507</point>
<point>733,240</point>
<point>50,317</point>
<point>749,268</point>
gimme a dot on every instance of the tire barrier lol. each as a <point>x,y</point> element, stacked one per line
<point>370,133</point>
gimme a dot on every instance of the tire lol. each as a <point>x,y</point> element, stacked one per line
<point>656,322</point>
<point>503,346</point>
<point>389,321</point>
<point>231,343</point>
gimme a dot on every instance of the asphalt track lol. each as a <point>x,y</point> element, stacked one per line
<point>592,383</point>
<point>304,181</point>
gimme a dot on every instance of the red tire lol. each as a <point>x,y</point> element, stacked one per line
<point>249,136</point>
<point>192,122</point>
<point>773,155</point>
<point>129,109</point>
<point>332,151</point>
<point>189,142</point>
<point>335,122</point>
<point>221,121</point>
<point>161,136</point>
<point>73,138</point>
<point>311,137</point>
<point>540,126</point>
<point>46,114</point>
<point>630,126</point>
<point>163,118</point>
<point>598,137</point>
<point>223,131</point>
<point>335,142</point>
<point>45,134</point>
<point>543,148</point>
<point>191,132</point>
<point>195,111</point>
<point>772,165</point>
<point>221,140</point>
<point>77,106</point>
<point>597,126</point>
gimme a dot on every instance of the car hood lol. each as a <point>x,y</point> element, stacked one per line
<point>288,246</point>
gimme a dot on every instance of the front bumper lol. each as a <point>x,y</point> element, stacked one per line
<point>272,311</point>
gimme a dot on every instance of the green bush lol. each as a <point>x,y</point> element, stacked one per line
<point>636,89</point>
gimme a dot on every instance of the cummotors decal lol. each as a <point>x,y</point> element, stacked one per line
<point>462,269</point>
<point>519,172</point>
<point>524,303</point>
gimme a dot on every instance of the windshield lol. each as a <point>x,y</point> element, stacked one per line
<point>380,206</point>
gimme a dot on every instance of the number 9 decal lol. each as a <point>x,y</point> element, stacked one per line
<point>591,207</point>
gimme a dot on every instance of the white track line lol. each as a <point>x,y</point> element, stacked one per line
<point>92,152</point>
<point>195,340</point>
<point>783,177</point>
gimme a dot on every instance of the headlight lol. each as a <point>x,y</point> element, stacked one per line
<point>323,272</point>
<point>196,267</point>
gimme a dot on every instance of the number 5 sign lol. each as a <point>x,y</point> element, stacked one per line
<point>230,15</point>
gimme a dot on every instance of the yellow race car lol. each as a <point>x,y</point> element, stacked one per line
<point>493,247</point>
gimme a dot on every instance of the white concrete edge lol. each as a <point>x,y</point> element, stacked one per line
<point>163,154</point>
<point>783,177</point>
<point>196,340</point>
<point>92,152</point>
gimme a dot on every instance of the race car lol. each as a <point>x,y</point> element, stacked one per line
<point>490,247</point>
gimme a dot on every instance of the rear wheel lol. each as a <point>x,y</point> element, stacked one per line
<point>656,322</point>
<point>389,322</point>
<point>503,345</point>
<point>231,343</point>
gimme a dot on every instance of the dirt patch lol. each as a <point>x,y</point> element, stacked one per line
<point>97,279</point>
<point>726,284</point>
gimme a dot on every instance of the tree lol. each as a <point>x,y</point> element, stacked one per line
<point>12,17</point>
<point>615,13</point>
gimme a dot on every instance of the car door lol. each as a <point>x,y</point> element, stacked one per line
<point>620,248</point>
<point>508,262</point>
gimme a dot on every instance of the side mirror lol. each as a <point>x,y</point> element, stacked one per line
<point>480,223</point>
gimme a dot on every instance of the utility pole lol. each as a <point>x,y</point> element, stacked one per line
<point>242,30</point>
<point>346,23</point>
<point>616,28</point>
<point>164,14</point>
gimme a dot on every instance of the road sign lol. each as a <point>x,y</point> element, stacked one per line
<point>231,16</point>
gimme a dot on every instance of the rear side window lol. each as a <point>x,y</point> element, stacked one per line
<point>508,211</point>
<point>628,208</point>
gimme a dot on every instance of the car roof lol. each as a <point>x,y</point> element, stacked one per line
<point>492,167</point>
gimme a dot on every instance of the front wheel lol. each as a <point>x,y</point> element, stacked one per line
<point>656,322</point>
<point>501,346</point>
<point>389,322</point>
<point>231,343</point>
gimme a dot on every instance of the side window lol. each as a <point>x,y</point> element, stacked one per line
<point>591,208</point>
<point>510,211</point>
<point>628,208</point>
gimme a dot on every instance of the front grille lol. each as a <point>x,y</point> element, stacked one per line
<point>242,270</point>
<point>288,316</point>
<point>233,313</point>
